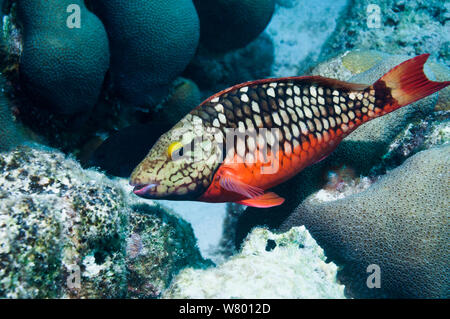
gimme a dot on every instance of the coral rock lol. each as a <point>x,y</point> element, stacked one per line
<point>57,219</point>
<point>405,27</point>
<point>289,265</point>
<point>399,223</point>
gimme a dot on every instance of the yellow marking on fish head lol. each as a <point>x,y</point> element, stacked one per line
<point>180,164</point>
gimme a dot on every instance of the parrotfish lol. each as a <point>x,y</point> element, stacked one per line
<point>243,141</point>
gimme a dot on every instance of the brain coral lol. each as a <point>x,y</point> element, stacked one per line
<point>400,223</point>
<point>232,24</point>
<point>289,265</point>
<point>151,43</point>
<point>61,68</point>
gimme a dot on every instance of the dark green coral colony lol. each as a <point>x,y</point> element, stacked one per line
<point>232,24</point>
<point>11,133</point>
<point>62,67</point>
<point>151,44</point>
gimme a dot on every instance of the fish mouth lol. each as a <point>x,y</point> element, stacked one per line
<point>145,189</point>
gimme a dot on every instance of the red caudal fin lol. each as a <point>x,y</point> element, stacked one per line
<point>408,83</point>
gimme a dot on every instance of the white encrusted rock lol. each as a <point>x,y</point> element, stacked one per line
<point>288,265</point>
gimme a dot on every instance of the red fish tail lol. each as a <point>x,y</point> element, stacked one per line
<point>405,84</point>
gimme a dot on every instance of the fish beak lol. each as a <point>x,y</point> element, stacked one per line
<point>144,189</point>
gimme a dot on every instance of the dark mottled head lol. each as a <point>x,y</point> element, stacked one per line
<point>181,164</point>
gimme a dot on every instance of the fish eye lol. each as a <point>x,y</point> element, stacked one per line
<point>175,150</point>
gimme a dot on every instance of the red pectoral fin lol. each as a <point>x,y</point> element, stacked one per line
<point>266,200</point>
<point>232,184</point>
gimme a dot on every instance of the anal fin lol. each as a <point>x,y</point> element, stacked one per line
<point>266,200</point>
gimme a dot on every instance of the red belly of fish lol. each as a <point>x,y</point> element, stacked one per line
<point>265,175</point>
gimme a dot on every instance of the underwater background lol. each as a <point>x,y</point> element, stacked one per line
<point>89,86</point>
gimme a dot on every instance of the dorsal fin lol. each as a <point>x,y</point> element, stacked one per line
<point>333,83</point>
<point>327,82</point>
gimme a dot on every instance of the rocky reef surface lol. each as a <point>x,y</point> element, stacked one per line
<point>394,26</point>
<point>399,223</point>
<point>56,217</point>
<point>288,265</point>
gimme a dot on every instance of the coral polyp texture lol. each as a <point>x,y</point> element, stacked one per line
<point>232,24</point>
<point>289,265</point>
<point>399,223</point>
<point>11,132</point>
<point>63,63</point>
<point>151,43</point>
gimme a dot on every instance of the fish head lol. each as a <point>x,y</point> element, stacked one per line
<point>181,164</point>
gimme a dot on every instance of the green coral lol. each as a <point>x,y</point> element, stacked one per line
<point>185,96</point>
<point>11,132</point>
<point>55,216</point>
<point>289,265</point>
<point>61,68</point>
<point>399,223</point>
<point>151,43</point>
<point>232,24</point>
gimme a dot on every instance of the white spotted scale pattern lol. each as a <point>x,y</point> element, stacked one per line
<point>306,112</point>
